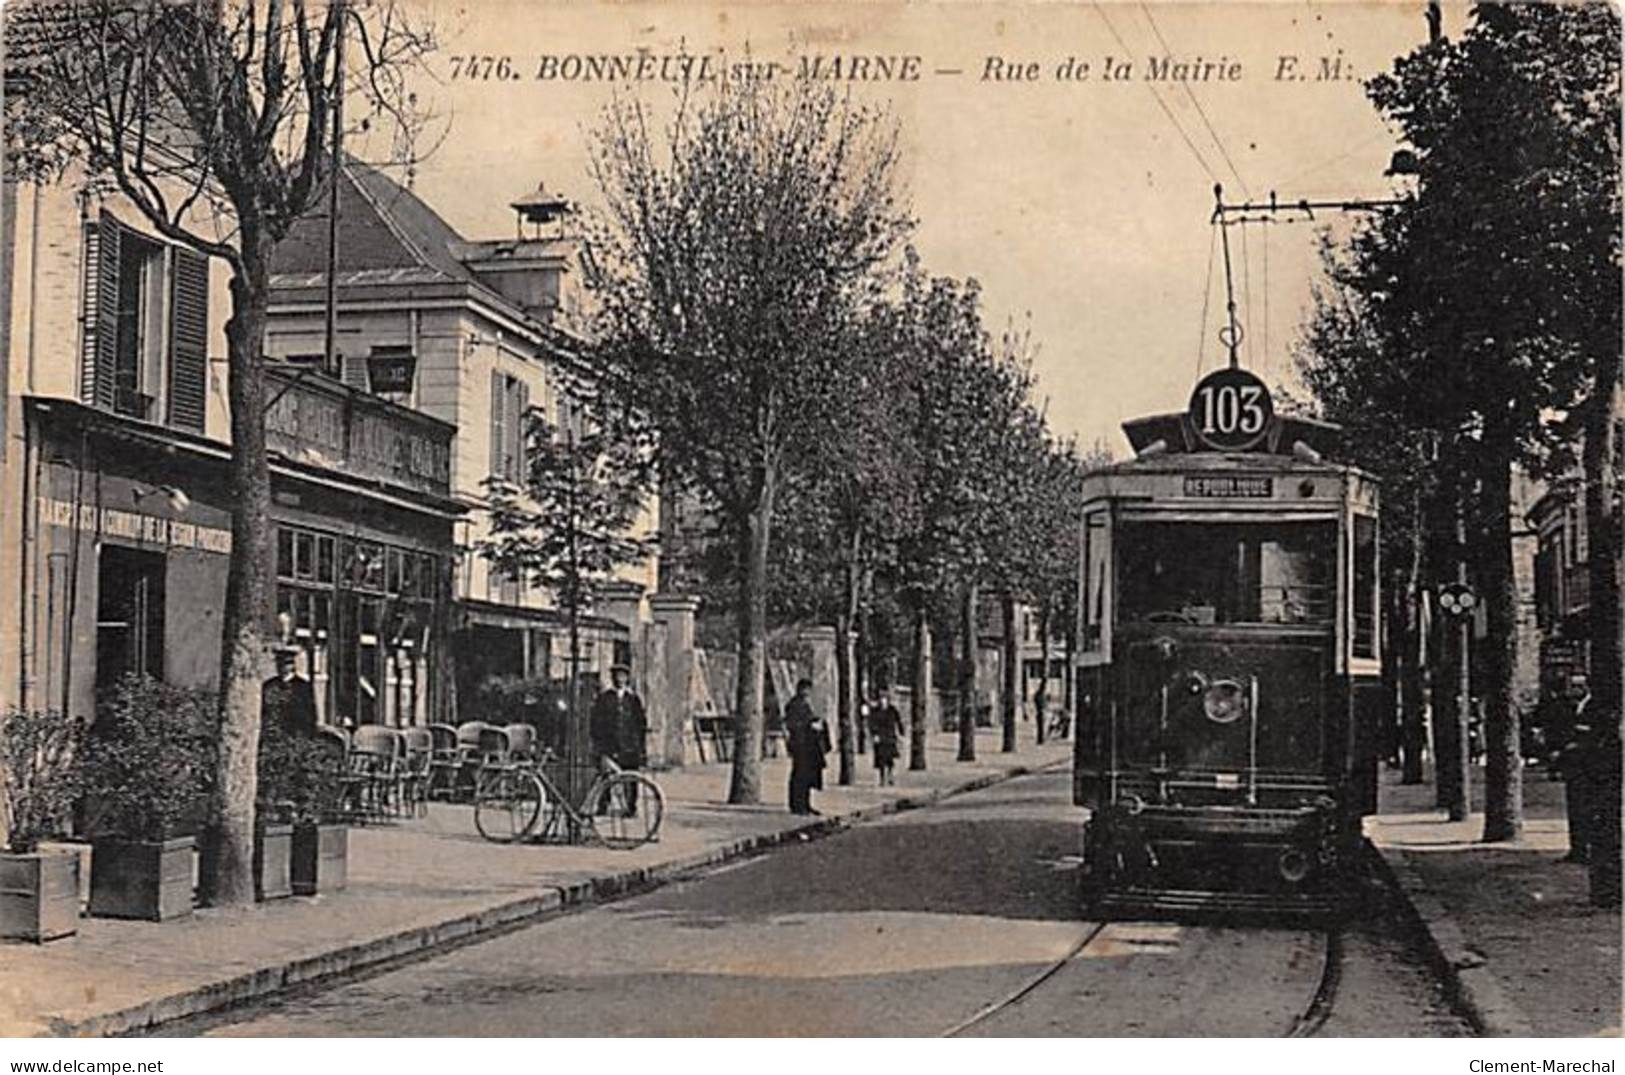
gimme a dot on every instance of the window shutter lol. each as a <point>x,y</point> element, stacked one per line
<point>520,423</point>
<point>354,368</point>
<point>96,368</point>
<point>499,425</point>
<point>188,339</point>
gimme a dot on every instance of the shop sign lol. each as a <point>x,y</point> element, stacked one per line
<point>136,526</point>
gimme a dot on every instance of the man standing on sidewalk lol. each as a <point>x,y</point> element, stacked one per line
<point>1573,762</point>
<point>808,740</point>
<point>618,727</point>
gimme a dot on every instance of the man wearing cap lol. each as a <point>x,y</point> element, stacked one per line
<point>286,699</point>
<point>618,723</point>
<point>619,728</point>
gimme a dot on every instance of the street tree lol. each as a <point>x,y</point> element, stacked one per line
<point>742,238</point>
<point>572,523</point>
<point>1499,281</point>
<point>199,112</point>
<point>960,402</point>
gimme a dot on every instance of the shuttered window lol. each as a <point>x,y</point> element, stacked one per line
<point>510,401</point>
<point>146,325</point>
<point>97,370</point>
<point>188,339</point>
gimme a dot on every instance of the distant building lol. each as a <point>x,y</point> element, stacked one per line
<point>1562,583</point>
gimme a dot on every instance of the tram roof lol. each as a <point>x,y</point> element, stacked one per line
<point>1164,443</point>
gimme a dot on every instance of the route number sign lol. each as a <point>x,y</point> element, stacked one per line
<point>1230,410</point>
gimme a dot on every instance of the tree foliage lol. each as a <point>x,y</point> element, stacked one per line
<point>742,240</point>
<point>1461,331</point>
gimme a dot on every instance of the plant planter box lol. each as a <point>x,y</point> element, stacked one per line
<point>151,881</point>
<point>321,859</point>
<point>273,860</point>
<point>39,895</point>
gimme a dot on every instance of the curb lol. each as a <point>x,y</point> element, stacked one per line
<point>1468,980</point>
<point>420,941</point>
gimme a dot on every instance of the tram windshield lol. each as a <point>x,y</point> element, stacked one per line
<point>1228,573</point>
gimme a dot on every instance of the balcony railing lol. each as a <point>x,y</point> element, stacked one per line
<point>319,421</point>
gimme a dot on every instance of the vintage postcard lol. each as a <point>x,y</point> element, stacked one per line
<point>841,519</point>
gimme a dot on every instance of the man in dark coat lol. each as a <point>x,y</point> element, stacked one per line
<point>1573,763</point>
<point>287,700</point>
<point>619,728</point>
<point>808,740</point>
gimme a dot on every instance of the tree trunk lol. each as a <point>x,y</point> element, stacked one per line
<point>1413,732</point>
<point>1007,703</point>
<point>753,535</point>
<point>845,674</point>
<point>248,587</point>
<point>1041,697</point>
<point>863,672</point>
<point>967,673</point>
<point>1605,530</point>
<point>1069,673</point>
<point>1503,777</point>
<point>918,711</point>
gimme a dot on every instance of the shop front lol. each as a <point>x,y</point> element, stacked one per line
<point>127,539</point>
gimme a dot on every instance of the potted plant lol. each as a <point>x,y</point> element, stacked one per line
<point>39,779</point>
<point>146,771</point>
<point>298,847</point>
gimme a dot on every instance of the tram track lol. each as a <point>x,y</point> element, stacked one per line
<point>1306,1024</point>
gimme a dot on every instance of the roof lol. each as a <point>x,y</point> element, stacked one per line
<point>384,231</point>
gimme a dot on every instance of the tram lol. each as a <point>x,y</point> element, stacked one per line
<point>1229,663</point>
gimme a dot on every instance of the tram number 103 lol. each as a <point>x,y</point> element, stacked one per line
<point>1230,409</point>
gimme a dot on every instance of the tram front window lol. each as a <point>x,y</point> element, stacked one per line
<point>1227,573</point>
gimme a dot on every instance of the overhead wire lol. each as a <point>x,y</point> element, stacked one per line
<point>1207,294</point>
<point>1166,111</point>
<point>1266,234</point>
<point>1200,111</point>
<point>1247,291</point>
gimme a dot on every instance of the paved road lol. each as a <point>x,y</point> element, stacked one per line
<point>904,927</point>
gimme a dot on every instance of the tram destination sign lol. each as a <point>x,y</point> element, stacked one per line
<point>1230,485</point>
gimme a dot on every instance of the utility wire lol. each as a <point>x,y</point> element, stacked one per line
<point>1200,111</point>
<point>1160,102</point>
<point>1266,234</point>
<point>1207,293</point>
<point>1247,291</point>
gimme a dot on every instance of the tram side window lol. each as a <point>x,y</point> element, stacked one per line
<point>1096,570</point>
<point>1365,586</point>
<point>1226,573</point>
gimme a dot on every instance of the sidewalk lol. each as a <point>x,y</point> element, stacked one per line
<point>415,885</point>
<point>1526,951</point>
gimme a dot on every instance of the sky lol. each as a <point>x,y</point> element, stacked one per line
<point>1082,205</point>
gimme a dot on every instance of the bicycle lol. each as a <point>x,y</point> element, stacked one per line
<point>621,809</point>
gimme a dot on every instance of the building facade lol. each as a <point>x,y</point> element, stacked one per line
<point>475,334</point>
<point>116,473</point>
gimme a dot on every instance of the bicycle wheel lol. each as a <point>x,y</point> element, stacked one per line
<point>625,810</point>
<point>507,803</point>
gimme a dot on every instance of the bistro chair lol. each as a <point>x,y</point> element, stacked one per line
<point>470,755</point>
<point>521,742</point>
<point>419,744</point>
<point>444,762</point>
<point>351,786</point>
<point>378,755</point>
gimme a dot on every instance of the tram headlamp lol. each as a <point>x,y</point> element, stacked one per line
<point>1223,701</point>
<point>1293,865</point>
